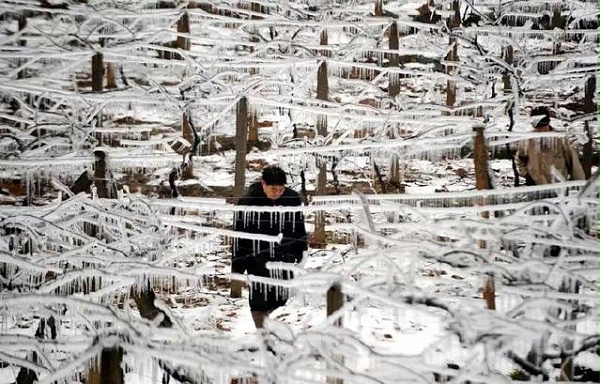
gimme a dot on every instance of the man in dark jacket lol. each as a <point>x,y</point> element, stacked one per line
<point>536,158</point>
<point>540,159</point>
<point>252,255</point>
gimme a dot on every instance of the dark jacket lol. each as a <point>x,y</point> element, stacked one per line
<point>251,255</point>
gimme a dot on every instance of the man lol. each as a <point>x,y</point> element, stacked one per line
<point>535,158</point>
<point>252,255</point>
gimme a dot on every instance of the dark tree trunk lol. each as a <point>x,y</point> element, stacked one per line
<point>335,301</point>
<point>241,141</point>
<point>319,239</point>
<point>241,133</point>
<point>511,151</point>
<point>111,78</point>
<point>183,27</point>
<point>22,24</point>
<point>480,160</point>
<point>322,92</point>
<point>589,107</point>
<point>394,44</point>
<point>508,57</point>
<point>483,181</point>
<point>188,170</point>
<point>108,370</point>
<point>256,7</point>
<point>100,174</point>
<point>324,40</point>
<point>97,72</point>
<point>253,129</point>
<point>378,11</point>
<point>452,57</point>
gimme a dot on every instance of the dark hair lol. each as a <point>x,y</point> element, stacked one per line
<point>273,175</point>
<point>544,116</point>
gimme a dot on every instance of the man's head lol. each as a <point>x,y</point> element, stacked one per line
<point>540,119</point>
<point>273,182</point>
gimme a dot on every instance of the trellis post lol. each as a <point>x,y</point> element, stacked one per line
<point>100,173</point>
<point>318,238</point>
<point>508,57</point>
<point>241,132</point>
<point>188,171</point>
<point>589,107</point>
<point>335,301</point>
<point>394,61</point>
<point>22,24</point>
<point>482,182</point>
<point>98,71</point>
<point>452,56</point>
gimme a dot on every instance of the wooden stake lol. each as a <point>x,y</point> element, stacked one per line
<point>489,293</point>
<point>183,27</point>
<point>482,181</point>
<point>480,159</point>
<point>394,44</point>
<point>318,238</point>
<point>98,71</point>
<point>451,68</point>
<point>335,301</point>
<point>100,173</point>
<point>589,107</point>
<point>188,171</point>
<point>241,132</point>
<point>111,79</point>
<point>22,24</point>
<point>378,12</point>
<point>508,57</point>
